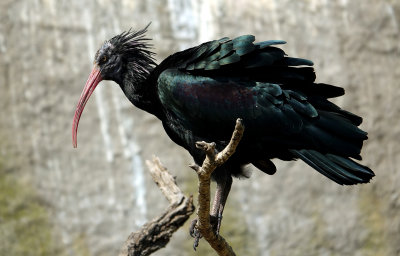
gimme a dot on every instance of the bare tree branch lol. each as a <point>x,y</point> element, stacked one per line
<point>212,161</point>
<point>164,180</point>
<point>155,234</point>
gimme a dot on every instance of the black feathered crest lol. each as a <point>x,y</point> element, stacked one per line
<point>132,40</point>
<point>134,48</point>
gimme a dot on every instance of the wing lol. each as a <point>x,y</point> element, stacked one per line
<point>241,57</point>
<point>207,87</point>
<point>210,105</point>
<point>287,115</point>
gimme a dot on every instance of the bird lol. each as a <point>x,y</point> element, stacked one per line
<point>200,92</point>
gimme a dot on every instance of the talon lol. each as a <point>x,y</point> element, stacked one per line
<point>192,228</point>
<point>196,242</point>
<point>215,222</point>
<point>194,233</point>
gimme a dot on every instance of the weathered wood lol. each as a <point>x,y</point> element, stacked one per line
<point>155,234</point>
<point>212,161</point>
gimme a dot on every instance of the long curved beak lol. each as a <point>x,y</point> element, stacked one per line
<point>93,80</point>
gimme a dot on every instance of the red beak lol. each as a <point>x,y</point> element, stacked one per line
<point>93,80</point>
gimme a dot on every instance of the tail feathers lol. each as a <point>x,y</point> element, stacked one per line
<point>334,133</point>
<point>339,125</point>
<point>266,166</point>
<point>325,105</point>
<point>341,170</point>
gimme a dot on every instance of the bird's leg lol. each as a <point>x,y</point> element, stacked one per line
<point>220,198</point>
<point>221,195</point>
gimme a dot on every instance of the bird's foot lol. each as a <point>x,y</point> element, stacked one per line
<point>215,222</point>
<point>194,232</point>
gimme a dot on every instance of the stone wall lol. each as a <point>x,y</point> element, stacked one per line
<point>98,193</point>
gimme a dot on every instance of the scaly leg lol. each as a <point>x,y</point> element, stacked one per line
<point>220,198</point>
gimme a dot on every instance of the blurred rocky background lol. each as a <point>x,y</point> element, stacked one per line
<point>56,200</point>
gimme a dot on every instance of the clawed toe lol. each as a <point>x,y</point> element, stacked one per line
<point>215,222</point>
<point>194,232</point>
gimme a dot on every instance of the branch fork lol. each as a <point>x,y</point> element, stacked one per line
<point>156,233</point>
<point>211,162</point>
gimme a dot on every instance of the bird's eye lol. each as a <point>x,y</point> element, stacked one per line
<point>104,59</point>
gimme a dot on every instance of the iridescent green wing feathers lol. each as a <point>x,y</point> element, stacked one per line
<point>218,101</point>
<point>206,88</point>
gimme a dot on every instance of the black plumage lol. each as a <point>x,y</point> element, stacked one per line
<point>285,112</point>
<point>198,94</point>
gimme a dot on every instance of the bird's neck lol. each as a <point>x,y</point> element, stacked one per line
<point>141,91</point>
